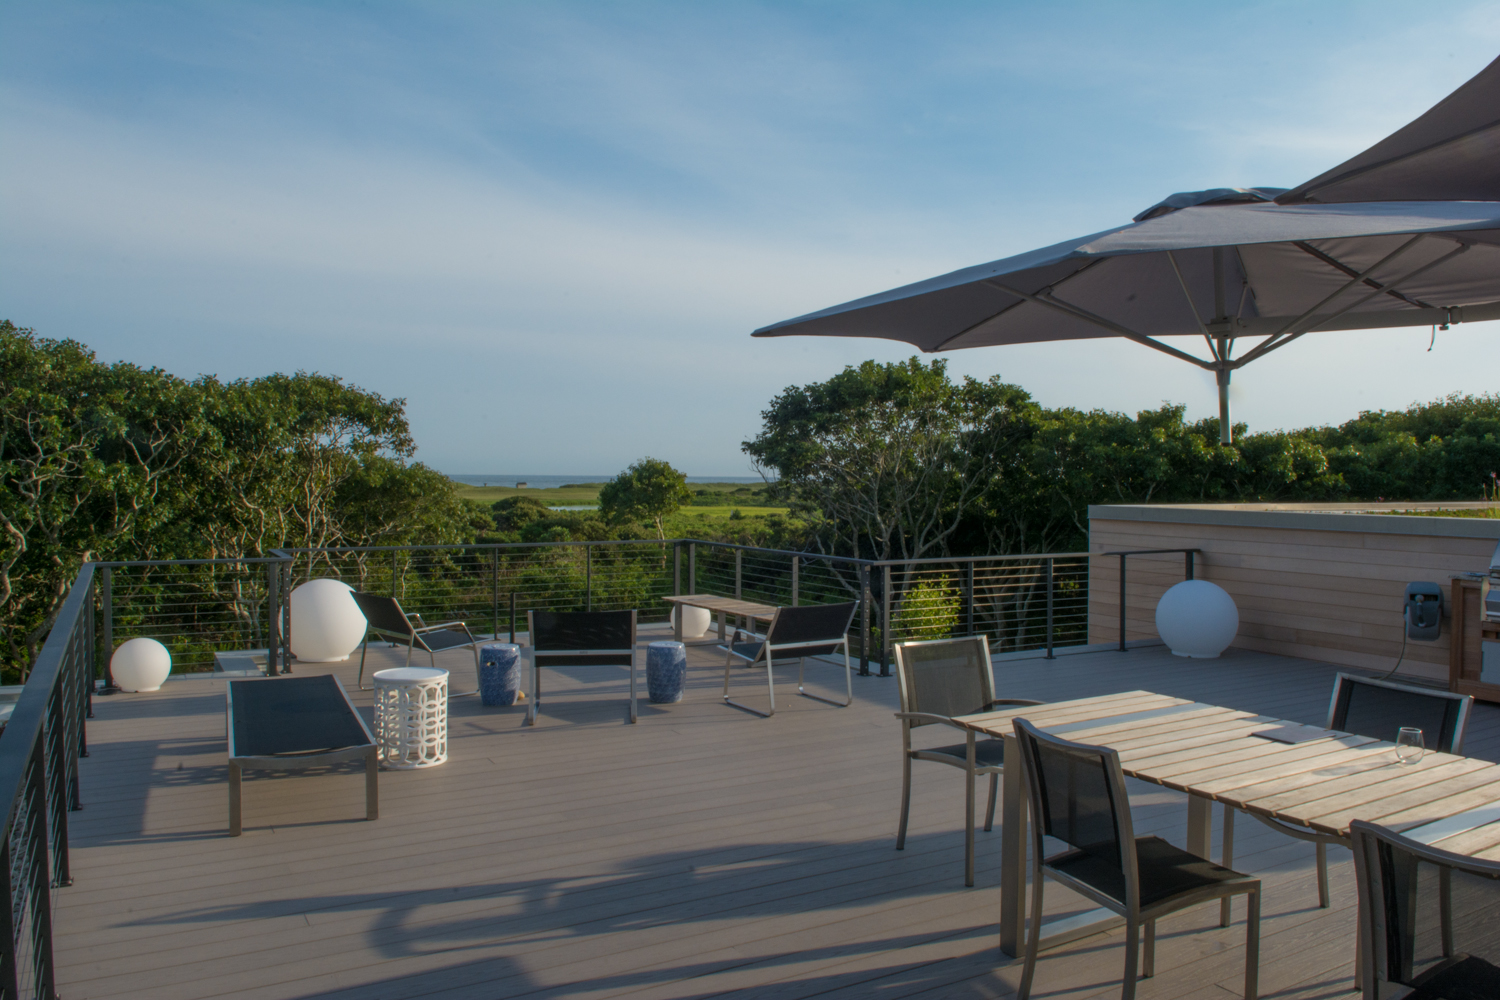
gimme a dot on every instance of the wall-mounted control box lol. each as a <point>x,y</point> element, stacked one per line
<point>1423,611</point>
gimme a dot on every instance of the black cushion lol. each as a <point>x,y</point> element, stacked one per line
<point>544,659</point>
<point>1165,871</point>
<point>751,650</point>
<point>987,753</point>
<point>1464,977</point>
<point>278,716</point>
<point>444,639</point>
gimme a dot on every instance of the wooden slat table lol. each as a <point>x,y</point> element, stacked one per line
<point>1209,753</point>
<point>721,606</point>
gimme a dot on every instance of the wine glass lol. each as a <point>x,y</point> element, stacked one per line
<point>1409,747</point>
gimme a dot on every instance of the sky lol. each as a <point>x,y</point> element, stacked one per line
<point>551,227</point>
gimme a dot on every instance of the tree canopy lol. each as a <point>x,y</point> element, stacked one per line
<point>649,490</point>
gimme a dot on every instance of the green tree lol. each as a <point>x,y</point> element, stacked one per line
<point>649,490</point>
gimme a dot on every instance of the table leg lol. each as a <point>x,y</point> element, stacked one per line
<point>722,618</point>
<point>677,622</point>
<point>1200,825</point>
<point>1013,836</point>
<point>372,785</point>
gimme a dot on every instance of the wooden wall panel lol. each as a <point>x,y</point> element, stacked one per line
<point>1331,595</point>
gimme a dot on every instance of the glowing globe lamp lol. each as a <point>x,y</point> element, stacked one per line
<point>326,623</point>
<point>140,665</point>
<point>695,621</point>
<point>1197,618</point>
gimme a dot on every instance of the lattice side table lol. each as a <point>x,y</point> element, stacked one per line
<point>411,717</point>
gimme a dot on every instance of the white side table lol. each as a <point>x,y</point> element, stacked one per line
<point>411,717</point>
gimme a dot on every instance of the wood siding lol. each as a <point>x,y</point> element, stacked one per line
<point>1326,594</point>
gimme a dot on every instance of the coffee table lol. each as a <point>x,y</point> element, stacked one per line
<point>721,606</point>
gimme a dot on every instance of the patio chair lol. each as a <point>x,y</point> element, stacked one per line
<point>1377,709</point>
<point>808,630</point>
<point>1078,796</point>
<point>385,619</point>
<point>579,639</point>
<point>938,680</point>
<point>1427,919</point>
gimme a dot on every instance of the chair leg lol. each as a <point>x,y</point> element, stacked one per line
<point>989,812</point>
<point>1252,944</point>
<point>1132,955</point>
<point>536,692</point>
<point>1148,951</point>
<point>969,821</point>
<point>848,683</point>
<point>1445,910</point>
<point>632,689</point>
<point>905,799</point>
<point>1226,858</point>
<point>1323,876</point>
<point>1033,935</point>
<point>360,680</point>
<point>770,686</point>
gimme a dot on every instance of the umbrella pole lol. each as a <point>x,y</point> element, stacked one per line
<point>1225,431</point>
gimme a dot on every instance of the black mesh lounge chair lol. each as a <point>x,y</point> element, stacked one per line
<point>1376,709</point>
<point>1078,797</point>
<point>1428,920</point>
<point>939,680</point>
<point>293,724</point>
<point>579,639</point>
<point>809,630</point>
<point>386,620</point>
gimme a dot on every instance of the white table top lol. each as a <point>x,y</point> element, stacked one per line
<point>409,675</point>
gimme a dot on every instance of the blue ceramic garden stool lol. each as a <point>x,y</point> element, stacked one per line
<point>499,673</point>
<point>666,672</point>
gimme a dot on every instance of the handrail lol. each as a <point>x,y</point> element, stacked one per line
<point>39,751</point>
<point>1188,555</point>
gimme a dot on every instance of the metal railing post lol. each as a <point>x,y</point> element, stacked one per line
<point>885,625</point>
<point>9,982</point>
<point>273,618</point>
<point>1122,602</point>
<point>692,587</point>
<point>495,591</point>
<point>676,567</point>
<point>969,599</point>
<point>739,569</point>
<point>1188,557</point>
<point>286,616</point>
<point>1050,588</point>
<point>395,572</point>
<point>588,578</point>
<point>796,574</point>
<point>107,605</point>
<point>513,616</point>
<point>864,621</point>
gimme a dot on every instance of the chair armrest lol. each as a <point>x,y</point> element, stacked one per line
<point>1011,701</point>
<point>444,625</point>
<point>929,717</point>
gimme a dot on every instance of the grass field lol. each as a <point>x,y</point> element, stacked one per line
<point>716,503</point>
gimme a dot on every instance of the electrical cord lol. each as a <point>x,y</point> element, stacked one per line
<point>1397,667</point>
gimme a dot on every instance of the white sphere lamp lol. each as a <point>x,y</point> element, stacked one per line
<point>695,621</point>
<point>326,623</point>
<point>1197,618</point>
<point>140,665</point>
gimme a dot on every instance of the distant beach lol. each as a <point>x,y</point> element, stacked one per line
<point>552,482</point>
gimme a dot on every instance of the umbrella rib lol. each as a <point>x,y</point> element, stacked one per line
<point>1332,261</point>
<point>1123,331</point>
<point>1267,346</point>
<point>1212,350</point>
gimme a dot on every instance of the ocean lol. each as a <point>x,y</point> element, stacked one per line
<point>551,482</point>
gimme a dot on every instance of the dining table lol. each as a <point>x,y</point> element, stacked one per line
<point>1324,781</point>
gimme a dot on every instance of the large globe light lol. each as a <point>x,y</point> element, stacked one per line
<point>1197,618</point>
<point>326,623</point>
<point>140,665</point>
<point>695,621</point>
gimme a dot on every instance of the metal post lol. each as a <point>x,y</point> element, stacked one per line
<point>864,621</point>
<point>588,578</point>
<point>495,591</point>
<point>273,618</point>
<point>107,603</point>
<point>1050,588</point>
<point>885,626</point>
<point>1122,602</point>
<point>1188,556</point>
<point>796,573</point>
<point>969,598</point>
<point>512,616</point>
<point>86,678</point>
<point>739,564</point>
<point>692,587</point>
<point>286,617</point>
<point>1226,430</point>
<point>676,567</point>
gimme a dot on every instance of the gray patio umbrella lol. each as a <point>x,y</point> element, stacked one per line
<point>1448,154</point>
<point>1223,264</point>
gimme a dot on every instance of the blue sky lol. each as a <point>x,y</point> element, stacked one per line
<point>552,226</point>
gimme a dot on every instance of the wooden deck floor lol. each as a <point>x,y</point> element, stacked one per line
<point>700,853</point>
